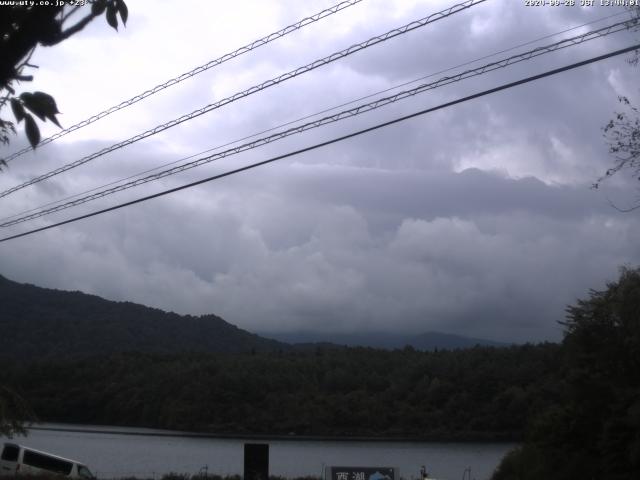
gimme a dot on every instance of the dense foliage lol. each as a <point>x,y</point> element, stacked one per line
<point>479,393</point>
<point>593,429</point>
<point>13,412</point>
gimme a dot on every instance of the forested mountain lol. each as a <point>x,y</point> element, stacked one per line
<point>79,358</point>
<point>43,323</point>
<point>576,404</point>
<point>38,322</point>
<point>481,393</point>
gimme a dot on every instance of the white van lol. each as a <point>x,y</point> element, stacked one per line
<point>18,460</point>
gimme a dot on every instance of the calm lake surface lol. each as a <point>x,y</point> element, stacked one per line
<point>116,452</point>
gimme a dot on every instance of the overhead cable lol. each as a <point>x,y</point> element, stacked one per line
<point>256,88</point>
<point>202,68</point>
<point>330,142</point>
<point>360,109</point>
<point>306,117</point>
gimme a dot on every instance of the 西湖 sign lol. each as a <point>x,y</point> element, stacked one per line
<point>361,473</point>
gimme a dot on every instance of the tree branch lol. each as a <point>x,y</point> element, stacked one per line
<point>622,210</point>
<point>74,29</point>
<point>69,13</point>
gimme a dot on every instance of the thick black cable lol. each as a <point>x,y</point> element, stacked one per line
<point>336,117</point>
<point>447,12</point>
<point>333,140</point>
<point>202,68</point>
<point>5,220</point>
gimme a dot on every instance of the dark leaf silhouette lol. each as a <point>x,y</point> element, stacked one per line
<point>55,120</point>
<point>47,102</point>
<point>33,132</point>
<point>42,104</point>
<point>18,109</point>
<point>48,105</point>
<point>112,19</point>
<point>32,103</point>
<point>26,27</point>
<point>124,11</point>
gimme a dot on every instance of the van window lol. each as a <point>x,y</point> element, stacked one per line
<point>10,453</point>
<point>84,472</point>
<point>46,462</point>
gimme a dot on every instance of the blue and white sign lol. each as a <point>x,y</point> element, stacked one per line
<point>361,473</point>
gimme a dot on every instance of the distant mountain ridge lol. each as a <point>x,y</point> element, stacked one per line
<point>41,323</point>
<point>389,341</point>
<point>37,323</point>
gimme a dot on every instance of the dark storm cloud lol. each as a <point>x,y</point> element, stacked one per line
<point>477,219</point>
<point>358,256</point>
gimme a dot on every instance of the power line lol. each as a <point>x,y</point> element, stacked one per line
<point>306,117</point>
<point>256,88</point>
<point>395,87</point>
<point>381,102</point>
<point>299,119</point>
<point>332,141</point>
<point>202,68</point>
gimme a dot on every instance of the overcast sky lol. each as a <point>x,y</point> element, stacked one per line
<point>477,219</point>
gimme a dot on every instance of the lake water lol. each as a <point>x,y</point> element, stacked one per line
<point>113,452</point>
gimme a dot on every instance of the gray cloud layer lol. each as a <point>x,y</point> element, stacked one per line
<point>475,220</point>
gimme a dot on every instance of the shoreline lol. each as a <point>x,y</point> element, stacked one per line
<point>149,432</point>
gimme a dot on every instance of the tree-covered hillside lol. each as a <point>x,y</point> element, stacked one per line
<point>480,393</point>
<point>43,323</point>
<point>592,428</point>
